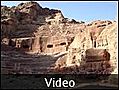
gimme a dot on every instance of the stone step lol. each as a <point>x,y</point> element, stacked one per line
<point>95,60</point>
<point>40,70</point>
<point>92,57</point>
<point>8,67</point>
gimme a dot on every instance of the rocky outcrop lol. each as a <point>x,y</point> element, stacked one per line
<point>95,37</point>
<point>25,15</point>
<point>31,28</point>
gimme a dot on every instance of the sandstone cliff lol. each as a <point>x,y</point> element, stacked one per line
<point>32,28</point>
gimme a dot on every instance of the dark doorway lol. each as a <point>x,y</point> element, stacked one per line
<point>94,44</point>
<point>63,43</point>
<point>49,46</point>
<point>25,46</point>
<point>12,43</point>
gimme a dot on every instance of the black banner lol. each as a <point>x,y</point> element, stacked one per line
<point>59,81</point>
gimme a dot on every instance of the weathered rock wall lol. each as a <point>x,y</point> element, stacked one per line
<point>48,31</point>
<point>106,38</point>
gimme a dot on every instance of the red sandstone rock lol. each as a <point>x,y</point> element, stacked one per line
<point>44,30</point>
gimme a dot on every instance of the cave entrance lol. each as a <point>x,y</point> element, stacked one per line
<point>63,43</point>
<point>94,44</point>
<point>25,46</point>
<point>12,43</point>
<point>50,46</point>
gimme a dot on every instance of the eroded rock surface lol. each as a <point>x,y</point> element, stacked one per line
<point>31,28</point>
